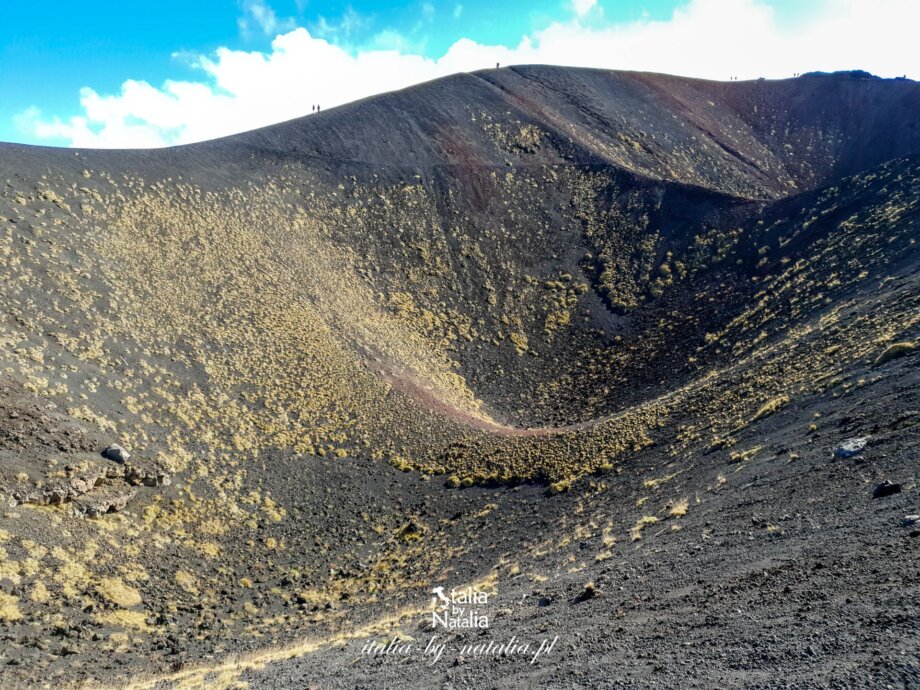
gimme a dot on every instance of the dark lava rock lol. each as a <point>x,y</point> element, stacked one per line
<point>851,447</point>
<point>116,453</point>
<point>589,592</point>
<point>104,500</point>
<point>886,488</point>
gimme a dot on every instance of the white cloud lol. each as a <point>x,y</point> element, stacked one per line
<point>715,39</point>
<point>343,30</point>
<point>582,7</point>
<point>257,14</point>
<point>389,39</point>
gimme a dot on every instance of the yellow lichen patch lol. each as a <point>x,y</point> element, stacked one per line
<point>209,549</point>
<point>607,537</point>
<point>655,483</point>
<point>186,581</point>
<point>894,351</point>
<point>636,532</point>
<point>39,593</point>
<point>71,575</point>
<point>274,512</point>
<point>771,406</point>
<point>120,641</point>
<point>520,342</point>
<point>124,618</point>
<point>9,607</point>
<point>744,455</point>
<point>561,486</point>
<point>116,591</point>
<point>10,570</point>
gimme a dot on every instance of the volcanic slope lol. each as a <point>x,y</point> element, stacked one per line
<point>346,352</point>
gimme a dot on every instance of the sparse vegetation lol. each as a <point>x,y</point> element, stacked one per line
<point>529,316</point>
<point>636,532</point>
<point>116,591</point>
<point>771,406</point>
<point>894,351</point>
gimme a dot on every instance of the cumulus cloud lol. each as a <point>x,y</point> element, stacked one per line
<point>717,39</point>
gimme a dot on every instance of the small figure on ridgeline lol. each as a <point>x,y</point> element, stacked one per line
<point>497,65</point>
<point>317,108</point>
<point>312,108</point>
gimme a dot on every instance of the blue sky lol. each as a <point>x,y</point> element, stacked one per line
<point>99,73</point>
<point>59,47</point>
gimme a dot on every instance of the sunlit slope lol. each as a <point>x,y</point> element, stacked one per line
<point>752,139</point>
<point>524,275</point>
<point>494,260</point>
